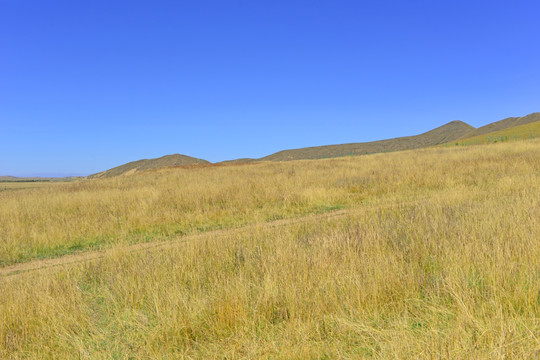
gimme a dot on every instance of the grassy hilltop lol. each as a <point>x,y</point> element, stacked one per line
<point>527,131</point>
<point>429,253</point>
<point>504,124</point>
<point>149,164</point>
<point>451,131</point>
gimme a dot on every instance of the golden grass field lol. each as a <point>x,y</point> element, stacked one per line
<point>23,185</point>
<point>435,254</point>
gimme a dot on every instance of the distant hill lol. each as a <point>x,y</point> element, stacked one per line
<point>237,161</point>
<point>514,133</point>
<point>147,164</point>
<point>503,124</point>
<point>449,132</point>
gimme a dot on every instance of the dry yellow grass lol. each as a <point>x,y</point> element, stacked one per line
<point>453,276</point>
<point>156,205</point>
<point>53,221</point>
<point>24,185</point>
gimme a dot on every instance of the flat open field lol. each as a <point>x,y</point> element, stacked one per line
<point>423,254</point>
<point>23,185</point>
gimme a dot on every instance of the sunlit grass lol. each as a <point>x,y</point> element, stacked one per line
<point>448,268</point>
<point>61,219</point>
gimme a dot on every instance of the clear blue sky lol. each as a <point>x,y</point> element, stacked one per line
<point>89,85</point>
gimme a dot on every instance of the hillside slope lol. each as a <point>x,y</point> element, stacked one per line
<point>449,132</point>
<point>515,133</point>
<point>237,161</point>
<point>453,131</point>
<point>503,124</point>
<point>147,164</point>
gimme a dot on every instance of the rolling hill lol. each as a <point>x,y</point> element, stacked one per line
<point>237,161</point>
<point>147,164</point>
<point>515,133</point>
<point>446,134</point>
<point>449,132</point>
<point>503,124</point>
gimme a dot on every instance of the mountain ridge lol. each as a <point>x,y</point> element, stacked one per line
<point>451,131</point>
<point>504,124</point>
<point>447,132</point>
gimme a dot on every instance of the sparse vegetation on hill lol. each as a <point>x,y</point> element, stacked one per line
<point>503,125</point>
<point>455,130</point>
<point>148,164</point>
<point>238,161</point>
<point>451,131</point>
<point>517,133</point>
<point>436,256</point>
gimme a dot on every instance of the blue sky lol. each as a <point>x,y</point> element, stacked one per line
<point>89,85</point>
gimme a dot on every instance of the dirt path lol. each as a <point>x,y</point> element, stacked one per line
<point>18,269</point>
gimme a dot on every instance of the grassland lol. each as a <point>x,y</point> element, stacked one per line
<point>158,205</point>
<point>9,185</point>
<point>21,185</point>
<point>435,255</point>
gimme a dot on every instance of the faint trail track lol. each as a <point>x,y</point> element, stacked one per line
<point>12,271</point>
